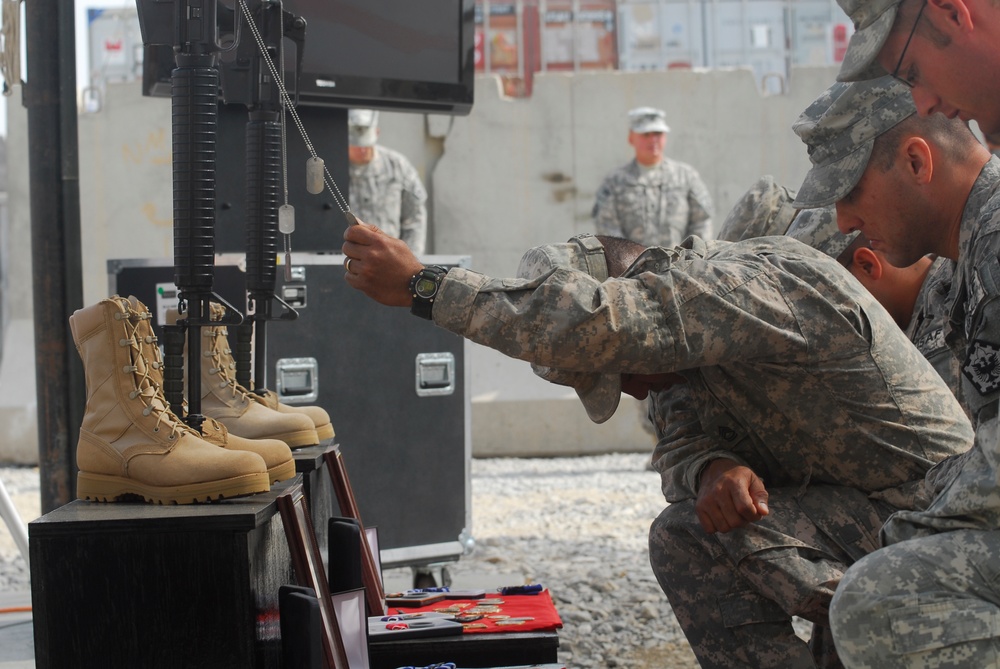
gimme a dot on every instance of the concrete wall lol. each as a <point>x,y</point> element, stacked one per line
<point>513,174</point>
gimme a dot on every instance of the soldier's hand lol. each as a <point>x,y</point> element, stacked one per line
<point>729,496</point>
<point>379,265</point>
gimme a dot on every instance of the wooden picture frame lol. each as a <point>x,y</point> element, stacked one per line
<point>309,571</point>
<point>353,620</point>
<point>370,576</point>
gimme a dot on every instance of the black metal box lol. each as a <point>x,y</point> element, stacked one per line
<point>396,388</point>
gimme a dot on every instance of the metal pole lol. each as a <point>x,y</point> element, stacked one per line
<point>50,98</point>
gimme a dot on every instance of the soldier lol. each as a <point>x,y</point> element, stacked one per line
<point>790,363</point>
<point>385,189</point>
<point>799,586</point>
<point>916,185</point>
<point>945,51</point>
<point>652,200</point>
<point>916,296</point>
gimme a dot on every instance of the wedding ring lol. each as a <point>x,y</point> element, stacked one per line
<point>347,265</point>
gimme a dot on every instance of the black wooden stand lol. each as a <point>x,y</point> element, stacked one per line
<point>467,650</point>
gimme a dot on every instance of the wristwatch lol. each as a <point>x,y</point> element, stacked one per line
<point>424,287</point>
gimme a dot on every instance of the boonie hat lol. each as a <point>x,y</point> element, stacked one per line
<point>764,210</point>
<point>362,127</point>
<point>599,393</point>
<point>873,21</point>
<point>647,119</point>
<point>840,129</point>
<point>818,228</point>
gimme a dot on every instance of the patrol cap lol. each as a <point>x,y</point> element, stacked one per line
<point>818,228</point>
<point>362,127</point>
<point>840,129</point>
<point>873,21</point>
<point>764,210</point>
<point>599,393</point>
<point>647,119</point>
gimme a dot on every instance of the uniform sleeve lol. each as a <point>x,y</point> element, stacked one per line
<point>605,213</point>
<point>690,316</point>
<point>413,214</point>
<point>701,209</point>
<point>683,449</point>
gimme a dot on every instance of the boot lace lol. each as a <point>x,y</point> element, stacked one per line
<point>222,361</point>
<point>144,355</point>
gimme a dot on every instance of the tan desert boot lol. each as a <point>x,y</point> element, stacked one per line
<point>232,405</point>
<point>318,415</point>
<point>130,442</point>
<point>276,455</point>
<point>274,452</point>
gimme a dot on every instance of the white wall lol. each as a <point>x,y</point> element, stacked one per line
<point>513,174</point>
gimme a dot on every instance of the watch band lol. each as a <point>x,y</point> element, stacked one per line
<point>424,286</point>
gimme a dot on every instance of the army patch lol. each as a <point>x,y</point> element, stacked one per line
<point>982,366</point>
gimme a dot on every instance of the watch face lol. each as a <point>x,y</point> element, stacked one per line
<point>425,287</point>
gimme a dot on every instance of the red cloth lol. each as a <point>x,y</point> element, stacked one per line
<point>539,607</point>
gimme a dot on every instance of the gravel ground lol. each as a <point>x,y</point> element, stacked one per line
<point>23,487</point>
<point>577,525</point>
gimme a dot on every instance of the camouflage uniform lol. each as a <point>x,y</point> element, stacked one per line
<point>808,380</point>
<point>929,323</point>
<point>387,192</point>
<point>932,597</point>
<point>657,206</point>
<point>764,210</point>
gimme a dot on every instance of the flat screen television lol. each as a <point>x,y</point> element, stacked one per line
<point>399,55</point>
<point>396,55</point>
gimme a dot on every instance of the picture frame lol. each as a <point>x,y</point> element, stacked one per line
<point>371,576</point>
<point>309,570</point>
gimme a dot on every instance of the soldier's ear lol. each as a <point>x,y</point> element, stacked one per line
<point>869,263</point>
<point>956,13</point>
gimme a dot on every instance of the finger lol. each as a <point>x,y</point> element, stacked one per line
<point>707,523</point>
<point>732,516</point>
<point>743,505</point>
<point>760,497</point>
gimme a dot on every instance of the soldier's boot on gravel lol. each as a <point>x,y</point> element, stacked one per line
<point>131,444</point>
<point>275,453</point>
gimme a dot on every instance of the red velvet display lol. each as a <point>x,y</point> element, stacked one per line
<point>538,607</point>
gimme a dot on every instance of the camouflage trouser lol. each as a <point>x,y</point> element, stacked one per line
<point>932,602</point>
<point>734,594</point>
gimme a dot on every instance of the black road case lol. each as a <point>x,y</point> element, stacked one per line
<point>396,388</point>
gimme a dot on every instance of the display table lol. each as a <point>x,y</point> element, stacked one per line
<point>128,585</point>
<point>484,643</point>
<point>467,650</point>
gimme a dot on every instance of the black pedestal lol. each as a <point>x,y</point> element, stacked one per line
<point>126,585</point>
<point>467,650</point>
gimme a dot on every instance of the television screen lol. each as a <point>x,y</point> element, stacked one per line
<point>387,54</point>
<point>399,55</point>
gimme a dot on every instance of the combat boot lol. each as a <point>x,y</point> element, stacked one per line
<point>232,405</point>
<point>131,443</point>
<point>318,415</point>
<point>276,455</point>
